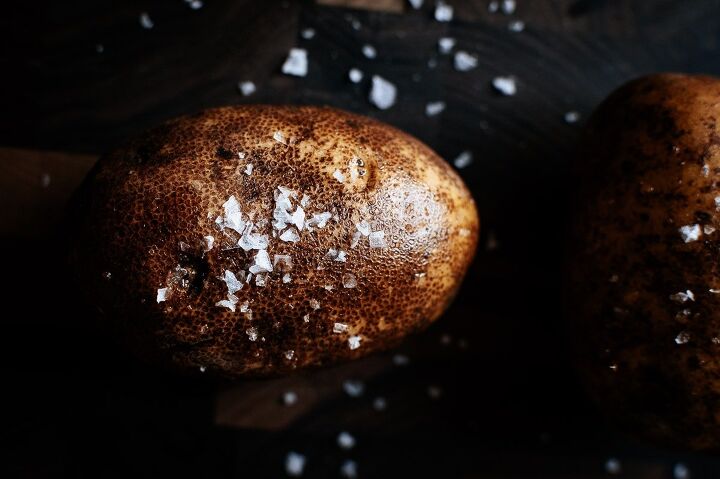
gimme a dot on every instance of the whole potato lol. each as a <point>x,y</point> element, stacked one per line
<point>254,240</point>
<point>643,289</point>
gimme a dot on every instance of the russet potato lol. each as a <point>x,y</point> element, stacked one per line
<point>255,240</point>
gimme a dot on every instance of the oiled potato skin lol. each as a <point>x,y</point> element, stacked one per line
<point>147,207</point>
<point>651,165</point>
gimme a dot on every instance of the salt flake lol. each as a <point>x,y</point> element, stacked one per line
<point>337,174</point>
<point>233,284</point>
<point>345,440</point>
<point>683,297</point>
<point>434,108</point>
<point>690,233</point>
<point>349,281</point>
<point>354,342</point>
<point>369,51</point>
<point>145,21</point>
<point>252,333</point>
<point>463,61</point>
<point>262,263</point>
<point>249,169</point>
<point>463,159</point>
<point>296,63</point>
<point>443,12</point>
<point>290,235</point>
<point>383,93</point>
<point>247,88</point>
<point>505,85</point>
<point>162,295</point>
<point>355,75</point>
<point>294,464</point>
<point>340,328</point>
<point>377,239</point>
<point>363,227</point>
<point>446,44</point>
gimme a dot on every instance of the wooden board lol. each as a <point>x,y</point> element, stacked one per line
<point>510,405</point>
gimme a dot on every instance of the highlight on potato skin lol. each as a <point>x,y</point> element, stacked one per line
<point>256,240</point>
<point>643,286</point>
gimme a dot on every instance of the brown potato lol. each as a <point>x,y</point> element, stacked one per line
<point>254,240</point>
<point>643,264</point>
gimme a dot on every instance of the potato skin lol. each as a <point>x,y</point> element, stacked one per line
<point>146,207</point>
<point>651,164</point>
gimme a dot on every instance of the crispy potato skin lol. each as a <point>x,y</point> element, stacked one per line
<point>651,165</point>
<point>168,186</point>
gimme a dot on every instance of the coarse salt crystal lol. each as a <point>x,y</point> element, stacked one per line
<point>682,338</point>
<point>571,117</point>
<point>382,93</point>
<point>348,469</point>
<point>249,169</point>
<point>505,85</point>
<point>377,239</point>
<point>612,466</point>
<point>209,241</point>
<point>681,471</point>
<point>508,7</point>
<point>286,278</point>
<point>416,4</point>
<point>247,88</point>
<point>314,304</point>
<point>162,294</point>
<point>262,263</point>
<point>369,51</point>
<point>443,12</point>
<point>282,262</point>
<point>228,303</point>
<point>353,387</point>
<point>349,281</point>
<point>463,159</point>
<point>337,174</point>
<point>233,284</point>
<point>307,33</point>
<point>320,219</point>
<point>340,328</point>
<point>296,63</point>
<point>463,61</point>
<point>434,108</point>
<point>294,464</point>
<point>690,233</point>
<point>233,215</point>
<point>516,26</point>
<point>345,440</point>
<point>279,137</point>
<point>363,227</point>
<point>145,21</point>
<point>683,297</point>
<point>354,342</point>
<point>355,75</point>
<point>289,398</point>
<point>493,6</point>
<point>290,235</point>
<point>446,44</point>
<point>252,333</point>
<point>708,230</point>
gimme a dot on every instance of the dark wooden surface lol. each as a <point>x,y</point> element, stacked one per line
<point>511,406</point>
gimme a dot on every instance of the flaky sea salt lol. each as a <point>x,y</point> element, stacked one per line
<point>290,235</point>
<point>377,239</point>
<point>314,304</point>
<point>282,262</point>
<point>683,297</point>
<point>690,233</point>
<point>493,6</point>
<point>349,469</point>
<point>446,44</point>
<point>319,219</point>
<point>571,117</point>
<point>279,137</point>
<point>286,278</point>
<point>508,6</point>
<point>355,75</point>
<point>463,159</point>
<point>354,342</point>
<point>289,398</point>
<point>612,466</point>
<point>247,88</point>
<point>463,61</point>
<point>250,240</point>
<point>516,26</point>
<point>294,464</point>
<point>443,12</point>
<point>353,387</point>
<point>262,263</point>
<point>145,21</point>
<point>682,338</point>
<point>337,174</point>
<point>434,108</point>
<point>349,281</point>
<point>296,63</point>
<point>233,215</point>
<point>345,440</point>
<point>249,169</point>
<point>369,51</point>
<point>416,4</point>
<point>681,471</point>
<point>252,333</point>
<point>233,284</point>
<point>209,241</point>
<point>307,33</point>
<point>162,294</point>
<point>340,328</point>
<point>379,404</point>
<point>229,303</point>
<point>382,93</point>
<point>505,85</point>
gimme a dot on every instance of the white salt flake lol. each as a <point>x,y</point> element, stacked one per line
<point>717,203</point>
<point>446,44</point>
<point>233,215</point>
<point>443,12</point>
<point>203,369</point>
<point>289,398</point>
<point>463,61</point>
<point>282,262</point>
<point>340,328</point>
<point>294,464</point>
<point>681,471</point>
<point>249,169</point>
<point>162,294</point>
<point>355,239</point>
<point>279,137</point>
<point>314,304</point>
<point>345,440</point>
<point>195,4</point>
<point>250,240</point>
<point>145,21</point>
<point>252,333</point>
<point>463,159</point>
<point>516,26</point>
<point>349,281</point>
<point>369,51</point>
<point>354,342</point>
<point>690,233</point>
<point>493,6</point>
<point>416,4</point>
<point>319,219</point>
<point>307,33</point>
<point>337,174</point>
<point>363,227</point>
<point>400,360</point>
<point>296,63</point>
<point>612,466</point>
<point>261,279</point>
<point>286,278</point>
<point>355,75</point>
<point>571,117</point>
<point>209,241</point>
<point>683,297</point>
<point>233,284</point>
<point>245,307</point>
<point>505,85</point>
<point>708,230</point>
<point>262,263</point>
<point>682,338</point>
<point>247,88</point>
<point>382,93</point>
<point>228,303</point>
<point>508,7</point>
<point>290,235</point>
<point>298,218</point>
<point>379,404</point>
<point>434,108</point>
<point>353,388</point>
<point>289,354</point>
<point>349,468</point>
<point>377,239</point>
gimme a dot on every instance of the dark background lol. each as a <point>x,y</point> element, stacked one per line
<point>511,405</point>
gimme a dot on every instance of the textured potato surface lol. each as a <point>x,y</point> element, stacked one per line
<point>255,240</point>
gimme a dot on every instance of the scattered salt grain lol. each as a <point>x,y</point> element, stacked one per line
<point>493,6</point>
<point>382,93</point>
<point>682,338</point>
<point>233,215</point>
<point>340,328</point>
<point>262,263</point>
<point>279,137</point>
<point>463,61</point>
<point>363,227</point>
<point>354,342</point>
<point>369,51</point>
<point>282,262</point>
<point>516,26</point>
<point>612,466</point>
<point>717,203</point>
<point>416,4</point>
<point>314,304</point>
<point>446,44</point>
<point>353,388</point>
<point>286,278</point>
<point>681,471</point>
<point>434,108</point>
<point>290,235</point>
<point>252,333</point>
<point>400,360</point>
<point>690,233</point>
<point>261,279</point>
<point>379,404</point>
<point>377,239</point>
<point>209,242</point>
<point>203,369</point>
<point>228,303</point>
<point>348,469</point>
<point>233,284</point>
<point>345,440</point>
<point>443,12</point>
<point>508,7</point>
<point>295,464</point>
<point>505,85</point>
<point>319,219</point>
<point>463,159</point>
<point>162,294</point>
<point>247,88</point>
<point>708,230</point>
<point>337,174</point>
<point>145,21</point>
<point>249,169</point>
<point>307,33</point>
<point>571,117</point>
<point>195,4</point>
<point>289,398</point>
<point>355,75</point>
<point>289,354</point>
<point>682,297</point>
<point>349,281</point>
<point>296,63</point>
